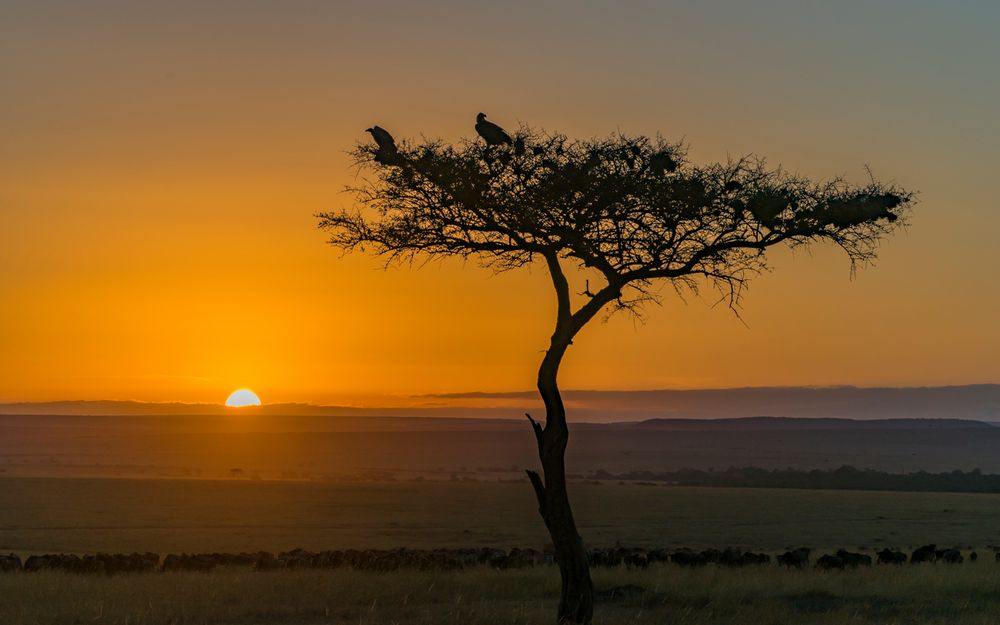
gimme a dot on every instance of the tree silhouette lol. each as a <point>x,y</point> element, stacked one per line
<point>628,211</point>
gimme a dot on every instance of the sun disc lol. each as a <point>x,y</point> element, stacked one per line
<point>242,397</point>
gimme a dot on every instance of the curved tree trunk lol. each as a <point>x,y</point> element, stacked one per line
<point>576,602</point>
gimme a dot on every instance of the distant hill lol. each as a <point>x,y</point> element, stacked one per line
<point>972,402</point>
<point>979,402</point>
<point>324,446</point>
<point>819,423</point>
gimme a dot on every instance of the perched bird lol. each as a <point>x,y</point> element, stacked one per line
<point>382,137</point>
<point>387,151</point>
<point>661,163</point>
<point>519,146</point>
<point>493,134</point>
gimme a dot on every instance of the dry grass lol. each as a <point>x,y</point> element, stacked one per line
<point>126,515</point>
<point>88,515</point>
<point>919,595</point>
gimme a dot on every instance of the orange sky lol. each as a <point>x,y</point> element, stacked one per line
<point>160,168</point>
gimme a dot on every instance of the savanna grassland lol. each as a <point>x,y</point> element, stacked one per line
<point>89,515</point>
<point>918,594</point>
<point>103,485</point>
<point>123,515</point>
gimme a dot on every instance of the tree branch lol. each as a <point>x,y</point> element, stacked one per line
<point>536,484</point>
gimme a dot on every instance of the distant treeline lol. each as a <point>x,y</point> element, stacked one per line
<point>843,478</point>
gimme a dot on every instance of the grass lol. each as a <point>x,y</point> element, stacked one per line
<point>918,595</point>
<point>88,515</point>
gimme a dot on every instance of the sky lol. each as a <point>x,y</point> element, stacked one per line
<point>161,164</point>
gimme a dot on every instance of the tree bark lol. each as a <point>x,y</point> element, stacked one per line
<point>576,601</point>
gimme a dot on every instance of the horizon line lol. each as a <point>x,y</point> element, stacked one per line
<point>511,394</point>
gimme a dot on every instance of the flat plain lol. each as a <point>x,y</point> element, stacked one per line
<point>123,515</point>
<point>913,595</point>
<point>94,488</point>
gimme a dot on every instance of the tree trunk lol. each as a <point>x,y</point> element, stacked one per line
<point>576,602</point>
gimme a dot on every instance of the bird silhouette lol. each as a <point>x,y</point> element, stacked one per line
<point>493,134</point>
<point>661,162</point>
<point>387,152</point>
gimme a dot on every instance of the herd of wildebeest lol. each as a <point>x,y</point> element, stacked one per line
<point>390,560</point>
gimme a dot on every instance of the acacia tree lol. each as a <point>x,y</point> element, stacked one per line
<point>628,211</point>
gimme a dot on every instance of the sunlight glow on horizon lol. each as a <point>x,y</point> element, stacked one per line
<point>159,176</point>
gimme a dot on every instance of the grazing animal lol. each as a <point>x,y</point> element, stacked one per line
<point>686,557</point>
<point>799,558</point>
<point>10,564</point>
<point>927,553</point>
<point>888,556</point>
<point>756,558</point>
<point>493,134</point>
<point>973,556</point>
<point>657,555</point>
<point>387,153</point>
<point>854,559</point>
<point>636,561</point>
<point>950,556</point>
<point>731,557</point>
<point>828,562</point>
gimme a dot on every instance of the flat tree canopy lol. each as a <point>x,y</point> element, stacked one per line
<point>632,208</point>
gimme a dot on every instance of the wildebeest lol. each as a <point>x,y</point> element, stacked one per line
<point>797,559</point>
<point>750,557</point>
<point>657,555</point>
<point>735,557</point>
<point>927,553</point>
<point>184,562</point>
<point>56,562</point>
<point>636,560</point>
<point>889,556</point>
<point>951,556</point>
<point>686,557</point>
<point>828,561</point>
<point>854,559</point>
<point>10,563</point>
<point>383,560</point>
<point>973,556</point>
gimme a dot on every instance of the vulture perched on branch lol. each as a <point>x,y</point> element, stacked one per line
<point>387,152</point>
<point>661,163</point>
<point>493,134</point>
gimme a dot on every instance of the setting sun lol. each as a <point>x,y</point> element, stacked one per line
<point>242,397</point>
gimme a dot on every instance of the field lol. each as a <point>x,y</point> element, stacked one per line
<point>88,515</point>
<point>918,595</point>
<point>339,449</point>
<point>45,515</point>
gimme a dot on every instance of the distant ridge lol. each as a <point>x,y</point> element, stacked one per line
<point>979,402</point>
<point>820,423</point>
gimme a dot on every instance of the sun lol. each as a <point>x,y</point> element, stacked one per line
<point>242,397</point>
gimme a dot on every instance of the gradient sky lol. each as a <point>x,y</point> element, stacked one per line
<point>161,162</point>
